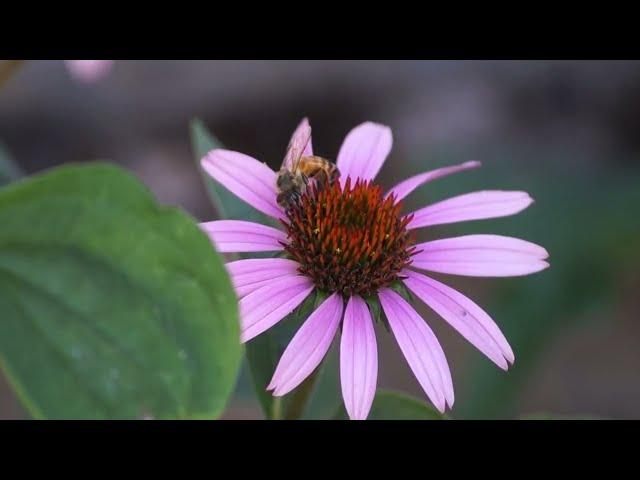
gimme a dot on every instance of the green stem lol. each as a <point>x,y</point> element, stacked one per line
<point>300,397</point>
<point>276,408</point>
<point>8,68</point>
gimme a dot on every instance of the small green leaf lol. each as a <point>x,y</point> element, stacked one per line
<point>401,289</point>
<point>111,306</point>
<point>388,405</point>
<point>377,313</point>
<point>9,170</point>
<point>264,351</point>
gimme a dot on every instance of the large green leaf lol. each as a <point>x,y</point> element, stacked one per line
<point>111,306</point>
<point>388,405</point>
<point>9,170</point>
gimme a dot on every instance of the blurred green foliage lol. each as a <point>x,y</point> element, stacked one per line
<point>587,220</point>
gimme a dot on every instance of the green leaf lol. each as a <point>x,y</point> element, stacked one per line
<point>9,170</point>
<point>226,203</point>
<point>388,405</point>
<point>401,289</point>
<point>111,306</point>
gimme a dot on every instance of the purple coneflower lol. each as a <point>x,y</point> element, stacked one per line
<point>352,242</point>
<point>88,70</point>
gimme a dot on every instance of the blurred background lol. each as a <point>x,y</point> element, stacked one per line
<point>568,132</point>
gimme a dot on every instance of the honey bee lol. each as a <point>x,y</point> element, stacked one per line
<point>299,168</point>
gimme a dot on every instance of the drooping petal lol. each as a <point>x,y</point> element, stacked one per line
<point>299,145</point>
<point>464,315</point>
<point>410,184</point>
<point>266,306</point>
<point>253,273</point>
<point>363,152</point>
<point>247,178</point>
<point>481,256</point>
<point>420,347</point>
<point>308,346</point>
<point>242,236</point>
<point>472,206</point>
<point>88,70</point>
<point>358,359</point>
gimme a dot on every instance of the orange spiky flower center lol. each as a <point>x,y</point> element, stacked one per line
<point>352,240</point>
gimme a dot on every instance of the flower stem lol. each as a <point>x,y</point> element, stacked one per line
<point>276,408</point>
<point>300,397</point>
<point>8,68</point>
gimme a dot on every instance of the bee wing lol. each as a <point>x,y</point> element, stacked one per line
<point>299,146</point>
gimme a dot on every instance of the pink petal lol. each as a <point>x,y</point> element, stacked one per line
<point>363,152</point>
<point>358,359</point>
<point>242,236</point>
<point>464,315</point>
<point>481,256</point>
<point>299,145</point>
<point>88,70</point>
<point>409,185</point>
<point>252,181</point>
<point>251,274</point>
<point>308,347</point>
<point>266,306</point>
<point>472,206</point>
<point>420,347</point>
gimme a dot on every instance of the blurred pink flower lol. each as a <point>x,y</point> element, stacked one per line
<point>350,242</point>
<point>89,70</point>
